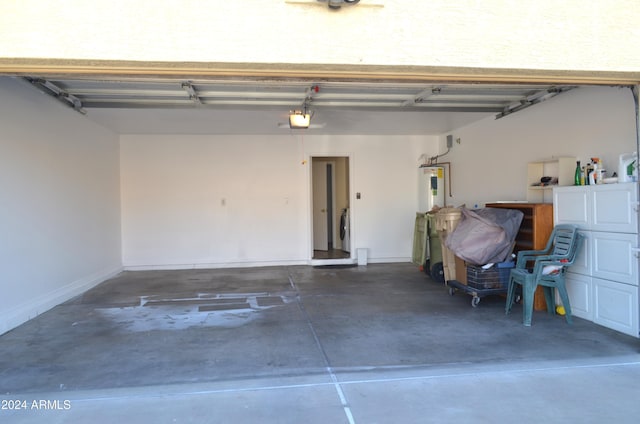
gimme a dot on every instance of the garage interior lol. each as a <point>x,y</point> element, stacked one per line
<point>159,233</point>
<point>161,263</point>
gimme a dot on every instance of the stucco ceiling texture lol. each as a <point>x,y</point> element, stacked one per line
<point>600,35</point>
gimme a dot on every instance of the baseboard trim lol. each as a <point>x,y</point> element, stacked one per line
<point>257,264</point>
<point>392,260</point>
<point>22,313</point>
<point>322,262</point>
<point>212,265</point>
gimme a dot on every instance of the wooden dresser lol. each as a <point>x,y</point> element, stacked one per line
<point>536,227</point>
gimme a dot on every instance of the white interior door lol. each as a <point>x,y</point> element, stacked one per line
<point>319,207</point>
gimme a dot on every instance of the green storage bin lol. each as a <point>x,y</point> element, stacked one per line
<point>435,247</point>
<point>427,249</point>
<point>420,235</point>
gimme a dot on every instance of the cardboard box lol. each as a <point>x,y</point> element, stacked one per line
<point>461,270</point>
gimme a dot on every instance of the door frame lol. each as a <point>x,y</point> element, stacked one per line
<point>352,253</point>
<point>329,198</point>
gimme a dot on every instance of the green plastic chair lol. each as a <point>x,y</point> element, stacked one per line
<point>549,267</point>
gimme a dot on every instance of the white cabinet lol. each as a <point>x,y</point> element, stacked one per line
<point>603,282</point>
<point>616,306</point>
<point>615,208</point>
<point>605,207</point>
<point>571,206</point>
<point>580,293</point>
<point>613,256</point>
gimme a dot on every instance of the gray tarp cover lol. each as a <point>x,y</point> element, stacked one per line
<point>485,236</point>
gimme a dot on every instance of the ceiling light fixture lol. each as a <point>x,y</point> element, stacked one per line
<point>336,4</point>
<point>299,119</point>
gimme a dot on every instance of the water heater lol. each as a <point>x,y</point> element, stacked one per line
<point>431,186</point>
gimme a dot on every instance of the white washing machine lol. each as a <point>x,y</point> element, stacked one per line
<point>345,230</point>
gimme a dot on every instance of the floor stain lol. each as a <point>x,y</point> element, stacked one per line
<point>204,310</point>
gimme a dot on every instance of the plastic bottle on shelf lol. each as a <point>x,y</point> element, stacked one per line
<point>592,174</point>
<point>602,174</point>
<point>627,167</point>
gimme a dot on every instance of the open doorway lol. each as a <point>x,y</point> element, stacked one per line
<point>331,217</point>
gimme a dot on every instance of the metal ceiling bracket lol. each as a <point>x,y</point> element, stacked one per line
<point>270,95</point>
<point>422,96</point>
<point>49,88</point>
<point>308,97</point>
<point>193,95</point>
<point>534,99</point>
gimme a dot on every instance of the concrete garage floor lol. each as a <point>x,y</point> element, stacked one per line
<point>373,344</point>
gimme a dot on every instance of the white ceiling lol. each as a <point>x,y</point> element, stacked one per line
<point>258,106</point>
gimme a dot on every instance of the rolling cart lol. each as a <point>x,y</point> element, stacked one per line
<point>483,282</point>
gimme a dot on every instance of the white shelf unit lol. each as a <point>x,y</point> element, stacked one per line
<point>603,283</point>
<point>563,168</point>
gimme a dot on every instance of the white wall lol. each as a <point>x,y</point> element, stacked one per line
<point>59,208</point>
<point>534,34</point>
<point>200,201</point>
<point>490,163</point>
